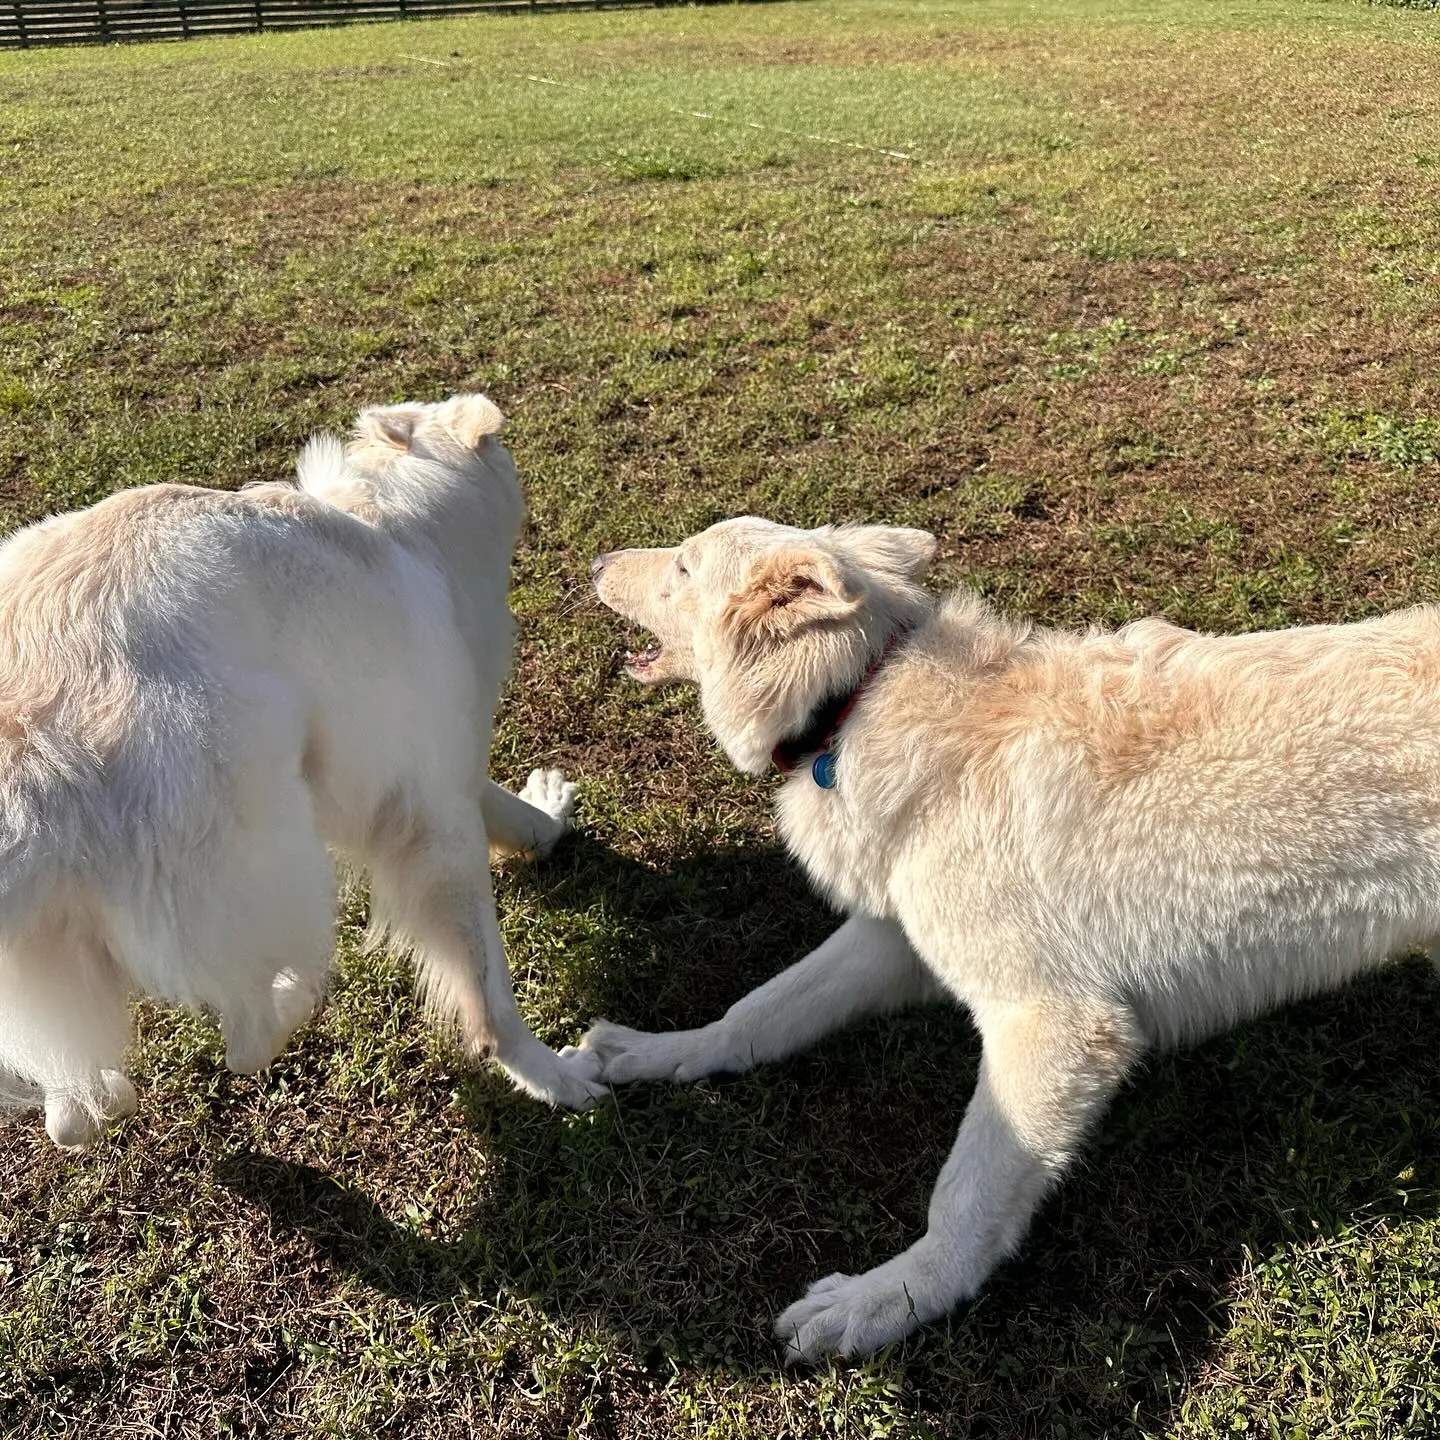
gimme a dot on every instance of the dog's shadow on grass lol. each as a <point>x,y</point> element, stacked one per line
<point>682,1218</point>
<point>346,1227</point>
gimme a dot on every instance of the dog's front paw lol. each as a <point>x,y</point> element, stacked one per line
<point>550,792</point>
<point>847,1315</point>
<point>623,1054</point>
<point>571,1081</point>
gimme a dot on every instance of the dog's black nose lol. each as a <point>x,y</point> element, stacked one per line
<point>597,565</point>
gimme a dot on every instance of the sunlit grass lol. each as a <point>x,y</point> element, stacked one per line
<point>1138,314</point>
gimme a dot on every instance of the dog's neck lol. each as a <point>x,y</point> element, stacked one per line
<point>819,731</point>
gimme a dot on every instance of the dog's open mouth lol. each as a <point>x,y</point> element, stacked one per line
<point>639,663</point>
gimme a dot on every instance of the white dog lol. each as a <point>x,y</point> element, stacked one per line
<point>1097,843</point>
<point>198,690</point>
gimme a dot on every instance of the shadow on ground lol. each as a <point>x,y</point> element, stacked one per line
<point>681,1218</point>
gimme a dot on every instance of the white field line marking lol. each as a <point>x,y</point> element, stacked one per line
<point>747,124</point>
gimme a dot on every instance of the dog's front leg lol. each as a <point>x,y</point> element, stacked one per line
<point>431,884</point>
<point>1048,1069</point>
<point>866,967</point>
<point>530,1063</point>
<point>533,821</point>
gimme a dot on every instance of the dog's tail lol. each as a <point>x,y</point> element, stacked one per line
<point>321,471</point>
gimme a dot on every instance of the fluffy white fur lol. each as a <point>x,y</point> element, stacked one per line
<point>198,691</point>
<point>1098,843</point>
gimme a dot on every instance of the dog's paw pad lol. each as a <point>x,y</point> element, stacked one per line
<point>553,795</point>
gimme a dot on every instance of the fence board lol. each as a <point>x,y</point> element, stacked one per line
<point>26,23</point>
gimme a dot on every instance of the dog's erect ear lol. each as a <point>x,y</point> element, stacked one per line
<point>470,419</point>
<point>389,427</point>
<point>790,588</point>
<point>894,548</point>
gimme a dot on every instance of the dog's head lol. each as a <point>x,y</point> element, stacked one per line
<point>447,429</point>
<point>769,621</point>
<point>425,462</point>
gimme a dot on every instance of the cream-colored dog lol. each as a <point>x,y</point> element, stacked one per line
<point>198,690</point>
<point>1098,843</point>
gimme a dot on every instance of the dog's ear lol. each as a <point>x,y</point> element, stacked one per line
<point>471,419</point>
<point>387,427</point>
<point>790,588</point>
<point>893,548</point>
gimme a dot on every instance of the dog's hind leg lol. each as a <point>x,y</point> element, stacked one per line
<point>866,967</point>
<point>533,821</point>
<point>17,1094</point>
<point>1048,1070</point>
<point>265,937</point>
<point>64,1029</point>
<point>431,884</point>
<point>285,953</point>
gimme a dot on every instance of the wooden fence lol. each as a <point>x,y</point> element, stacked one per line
<point>24,23</point>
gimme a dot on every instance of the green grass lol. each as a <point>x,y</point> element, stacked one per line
<point>1145,319</point>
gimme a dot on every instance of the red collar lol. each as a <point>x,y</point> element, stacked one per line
<point>818,736</point>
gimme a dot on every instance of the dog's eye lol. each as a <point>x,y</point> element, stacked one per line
<point>681,568</point>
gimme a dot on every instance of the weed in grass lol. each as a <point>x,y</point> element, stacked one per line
<point>1403,443</point>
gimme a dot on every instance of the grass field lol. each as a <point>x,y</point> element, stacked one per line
<point>1136,304</point>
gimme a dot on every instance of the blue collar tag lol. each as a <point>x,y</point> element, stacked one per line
<point>822,770</point>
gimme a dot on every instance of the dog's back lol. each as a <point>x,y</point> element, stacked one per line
<point>198,689</point>
<point>145,746</point>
